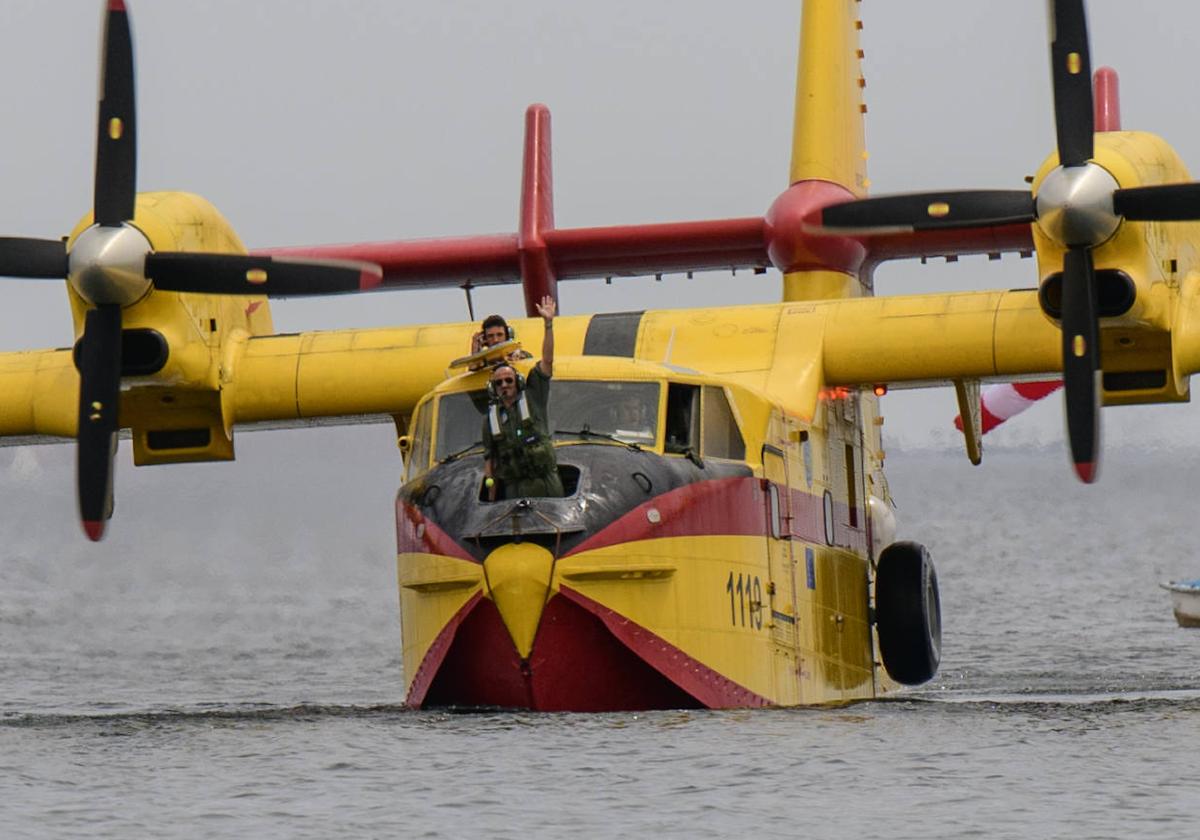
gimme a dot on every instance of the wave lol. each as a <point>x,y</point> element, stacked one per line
<point>232,714</point>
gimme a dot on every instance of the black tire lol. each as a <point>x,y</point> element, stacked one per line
<point>908,613</point>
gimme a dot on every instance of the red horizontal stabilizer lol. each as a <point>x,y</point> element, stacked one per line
<point>579,253</point>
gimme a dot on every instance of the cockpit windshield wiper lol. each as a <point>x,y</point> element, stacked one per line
<point>587,433</point>
<point>454,456</point>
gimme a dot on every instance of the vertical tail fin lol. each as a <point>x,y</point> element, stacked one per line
<point>827,139</point>
<point>829,159</point>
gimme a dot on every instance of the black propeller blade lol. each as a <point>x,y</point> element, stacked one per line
<point>1071,69</point>
<point>1081,361</point>
<point>931,211</point>
<point>99,399</point>
<point>33,258</point>
<point>235,274</point>
<point>116,133</point>
<point>1159,203</point>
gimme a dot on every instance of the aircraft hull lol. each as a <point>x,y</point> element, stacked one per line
<point>576,664</point>
<point>681,601</point>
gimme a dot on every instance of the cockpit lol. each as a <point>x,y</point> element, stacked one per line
<point>625,433</point>
<point>673,418</point>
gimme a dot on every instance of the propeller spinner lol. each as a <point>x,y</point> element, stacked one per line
<point>1079,205</point>
<point>111,265</point>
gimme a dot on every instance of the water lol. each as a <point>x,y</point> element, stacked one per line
<point>242,679</point>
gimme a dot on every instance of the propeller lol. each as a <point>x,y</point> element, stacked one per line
<point>111,265</point>
<point>99,398</point>
<point>1079,205</point>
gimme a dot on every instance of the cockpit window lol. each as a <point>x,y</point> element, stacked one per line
<point>627,411</point>
<point>721,436</point>
<point>460,422</point>
<point>683,418</point>
<point>418,456</point>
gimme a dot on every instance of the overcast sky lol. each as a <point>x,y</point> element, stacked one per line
<point>313,122</point>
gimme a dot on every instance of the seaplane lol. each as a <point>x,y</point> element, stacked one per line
<point>725,536</point>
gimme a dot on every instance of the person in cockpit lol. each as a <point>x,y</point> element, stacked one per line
<point>519,458</point>
<point>494,330</point>
<point>630,419</point>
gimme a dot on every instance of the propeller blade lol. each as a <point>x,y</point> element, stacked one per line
<point>1072,72</point>
<point>33,258</point>
<point>930,211</point>
<point>116,134</point>
<point>1081,362</point>
<point>234,274</point>
<point>99,398</point>
<point>1161,203</point>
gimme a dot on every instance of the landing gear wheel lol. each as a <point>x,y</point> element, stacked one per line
<point>908,613</point>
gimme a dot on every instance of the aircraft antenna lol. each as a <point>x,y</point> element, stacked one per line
<point>466,287</point>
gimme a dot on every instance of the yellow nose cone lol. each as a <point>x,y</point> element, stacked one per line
<point>518,581</point>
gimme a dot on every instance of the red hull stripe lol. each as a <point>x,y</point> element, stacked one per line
<point>711,688</point>
<point>706,508</point>
<point>808,522</point>
<point>727,506</point>
<point>721,507</point>
<point>429,666</point>
<point>411,539</point>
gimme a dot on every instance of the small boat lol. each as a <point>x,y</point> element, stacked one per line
<point>1185,599</point>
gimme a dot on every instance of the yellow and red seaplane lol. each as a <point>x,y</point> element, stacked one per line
<point>726,536</point>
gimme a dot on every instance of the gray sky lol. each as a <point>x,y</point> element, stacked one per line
<point>315,122</point>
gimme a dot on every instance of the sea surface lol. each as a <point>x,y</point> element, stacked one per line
<point>226,664</point>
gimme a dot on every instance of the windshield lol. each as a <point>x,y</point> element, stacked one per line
<point>460,422</point>
<point>627,411</point>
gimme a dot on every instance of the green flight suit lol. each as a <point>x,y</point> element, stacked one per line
<point>522,455</point>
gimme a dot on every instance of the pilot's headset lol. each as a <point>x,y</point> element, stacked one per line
<point>495,321</point>
<point>494,401</point>
<point>494,394</point>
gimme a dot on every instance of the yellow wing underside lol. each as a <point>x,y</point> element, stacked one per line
<point>788,352</point>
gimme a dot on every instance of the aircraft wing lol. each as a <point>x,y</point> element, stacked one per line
<point>40,389</point>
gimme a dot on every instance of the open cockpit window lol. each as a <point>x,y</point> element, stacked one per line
<point>701,423</point>
<point>683,418</point>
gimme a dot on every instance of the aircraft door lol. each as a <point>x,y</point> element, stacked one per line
<point>781,562</point>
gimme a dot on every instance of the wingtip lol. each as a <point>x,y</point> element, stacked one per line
<point>116,5</point>
<point>94,529</point>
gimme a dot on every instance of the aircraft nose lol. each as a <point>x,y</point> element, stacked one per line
<point>518,581</point>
